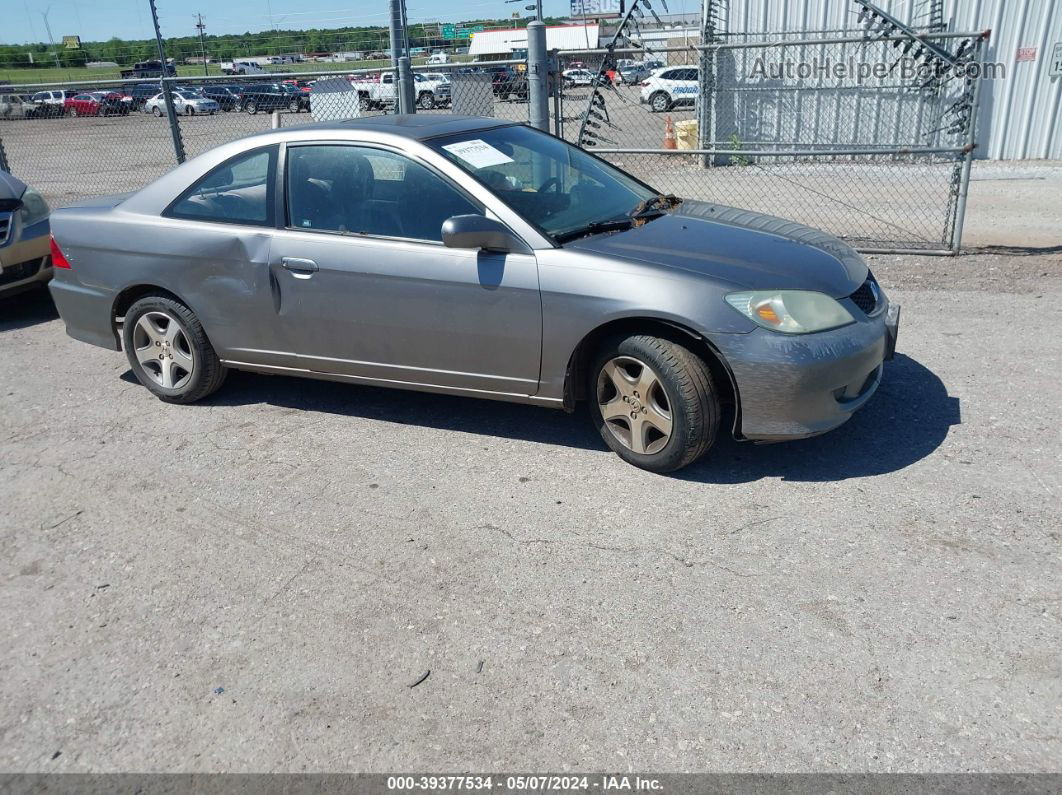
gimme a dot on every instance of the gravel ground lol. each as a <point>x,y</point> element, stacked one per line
<point>254,583</point>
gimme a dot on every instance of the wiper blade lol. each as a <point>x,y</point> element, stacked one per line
<point>655,206</point>
<point>595,228</point>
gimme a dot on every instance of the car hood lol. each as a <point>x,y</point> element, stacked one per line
<point>749,250</point>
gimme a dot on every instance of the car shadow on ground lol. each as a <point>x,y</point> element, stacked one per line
<point>26,309</point>
<point>905,422</point>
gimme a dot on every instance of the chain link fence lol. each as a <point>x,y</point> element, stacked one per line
<point>72,141</point>
<point>880,159</point>
<point>839,132</point>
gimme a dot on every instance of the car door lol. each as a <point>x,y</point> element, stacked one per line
<point>371,290</point>
<point>225,225</point>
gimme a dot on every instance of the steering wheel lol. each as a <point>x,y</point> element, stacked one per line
<point>552,182</point>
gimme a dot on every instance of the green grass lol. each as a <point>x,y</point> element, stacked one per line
<point>88,76</point>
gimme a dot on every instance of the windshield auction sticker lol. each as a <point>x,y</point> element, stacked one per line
<point>478,154</point>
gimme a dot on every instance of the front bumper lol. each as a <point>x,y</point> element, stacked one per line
<point>795,386</point>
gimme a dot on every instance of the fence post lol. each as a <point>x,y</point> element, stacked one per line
<point>399,60</point>
<point>971,145</point>
<point>538,71</point>
<point>555,84</point>
<point>167,89</point>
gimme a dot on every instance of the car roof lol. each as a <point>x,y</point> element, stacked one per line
<point>418,127</point>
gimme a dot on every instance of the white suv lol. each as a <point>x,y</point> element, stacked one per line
<point>675,85</point>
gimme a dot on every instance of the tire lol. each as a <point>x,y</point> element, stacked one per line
<point>680,392</point>
<point>426,101</point>
<point>189,342</point>
<point>363,102</point>
<point>73,112</point>
<point>157,111</point>
<point>660,102</point>
<point>189,111</point>
<point>251,107</point>
<point>293,106</point>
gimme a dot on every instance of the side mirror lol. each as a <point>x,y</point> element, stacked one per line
<point>477,231</point>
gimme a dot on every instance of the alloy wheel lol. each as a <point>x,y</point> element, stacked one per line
<point>634,405</point>
<point>163,350</point>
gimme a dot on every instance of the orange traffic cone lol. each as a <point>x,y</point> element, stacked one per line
<point>670,142</point>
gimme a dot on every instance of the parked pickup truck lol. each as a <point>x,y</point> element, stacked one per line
<point>378,91</point>
<point>241,68</point>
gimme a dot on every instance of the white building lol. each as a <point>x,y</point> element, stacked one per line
<point>501,44</point>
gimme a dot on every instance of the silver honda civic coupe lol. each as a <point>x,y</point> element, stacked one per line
<point>476,257</point>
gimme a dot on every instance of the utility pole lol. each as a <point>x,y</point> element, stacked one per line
<point>202,42</point>
<point>537,70</point>
<point>167,92</point>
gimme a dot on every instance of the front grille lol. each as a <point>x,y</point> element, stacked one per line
<point>866,297</point>
<point>17,273</point>
<point>5,226</point>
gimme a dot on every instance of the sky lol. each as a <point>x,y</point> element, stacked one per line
<point>98,20</point>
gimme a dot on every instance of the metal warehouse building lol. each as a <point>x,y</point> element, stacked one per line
<point>500,44</point>
<point>1020,114</point>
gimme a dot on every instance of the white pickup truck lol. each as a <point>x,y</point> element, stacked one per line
<point>241,68</point>
<point>378,91</point>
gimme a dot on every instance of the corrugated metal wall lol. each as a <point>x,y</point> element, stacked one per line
<point>1020,115</point>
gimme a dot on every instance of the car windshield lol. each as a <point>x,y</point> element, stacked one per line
<point>186,95</point>
<point>558,187</point>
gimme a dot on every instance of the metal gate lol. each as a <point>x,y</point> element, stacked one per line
<point>869,137</point>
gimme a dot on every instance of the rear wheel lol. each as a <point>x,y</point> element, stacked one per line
<point>251,107</point>
<point>189,111</point>
<point>426,101</point>
<point>653,402</point>
<point>169,352</point>
<point>363,102</point>
<point>73,112</point>
<point>293,106</point>
<point>157,111</point>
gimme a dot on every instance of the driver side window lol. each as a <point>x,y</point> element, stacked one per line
<point>360,190</point>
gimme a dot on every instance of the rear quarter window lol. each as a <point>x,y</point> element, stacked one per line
<point>239,191</point>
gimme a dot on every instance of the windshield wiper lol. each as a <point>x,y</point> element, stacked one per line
<point>654,207</point>
<point>597,227</point>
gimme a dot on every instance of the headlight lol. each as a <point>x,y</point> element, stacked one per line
<point>791,311</point>
<point>34,207</point>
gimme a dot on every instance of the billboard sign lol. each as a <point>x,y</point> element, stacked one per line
<point>72,42</point>
<point>596,8</point>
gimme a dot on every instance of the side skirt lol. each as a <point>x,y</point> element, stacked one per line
<point>507,397</point>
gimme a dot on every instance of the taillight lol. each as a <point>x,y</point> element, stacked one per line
<point>58,259</point>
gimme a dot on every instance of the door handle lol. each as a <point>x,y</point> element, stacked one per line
<point>298,264</point>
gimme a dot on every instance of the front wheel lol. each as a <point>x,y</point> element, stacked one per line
<point>73,112</point>
<point>653,402</point>
<point>293,106</point>
<point>251,107</point>
<point>157,111</point>
<point>169,352</point>
<point>426,101</point>
<point>660,102</point>
<point>189,111</point>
